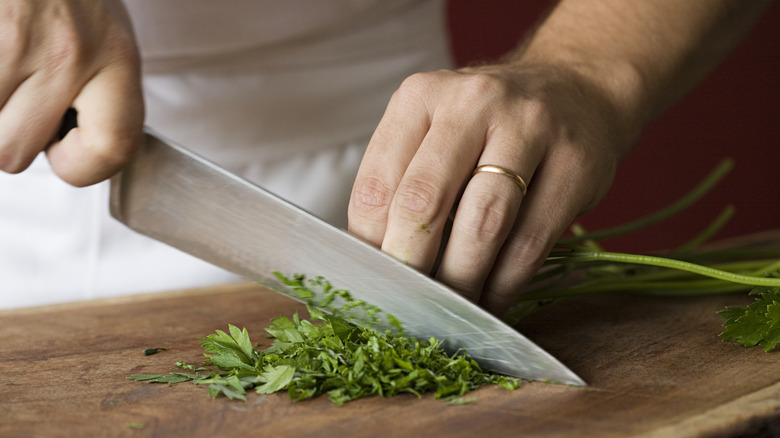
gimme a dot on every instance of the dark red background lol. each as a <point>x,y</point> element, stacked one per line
<point>734,113</point>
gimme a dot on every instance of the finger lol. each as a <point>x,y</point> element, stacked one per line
<point>389,152</point>
<point>12,72</point>
<point>29,119</point>
<point>558,195</point>
<point>110,113</point>
<point>15,46</point>
<point>430,185</point>
<point>486,212</point>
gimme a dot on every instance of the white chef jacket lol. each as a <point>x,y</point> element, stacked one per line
<point>284,93</point>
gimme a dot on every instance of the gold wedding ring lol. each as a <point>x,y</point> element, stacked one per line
<point>492,168</point>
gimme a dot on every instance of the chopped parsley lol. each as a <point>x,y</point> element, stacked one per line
<point>332,357</point>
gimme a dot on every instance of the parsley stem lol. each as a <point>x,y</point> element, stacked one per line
<point>712,229</point>
<point>610,272</point>
<point>659,288</point>
<point>691,197</point>
<point>666,263</point>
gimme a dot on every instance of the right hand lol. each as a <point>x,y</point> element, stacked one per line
<point>57,54</point>
<point>549,123</point>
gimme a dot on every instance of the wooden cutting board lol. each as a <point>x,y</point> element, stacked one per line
<point>655,367</point>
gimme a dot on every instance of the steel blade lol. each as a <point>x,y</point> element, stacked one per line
<point>174,196</point>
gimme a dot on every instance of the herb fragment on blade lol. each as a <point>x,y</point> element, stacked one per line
<point>756,324</point>
<point>333,357</point>
<point>318,292</point>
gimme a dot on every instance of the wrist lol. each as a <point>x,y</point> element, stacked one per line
<point>614,88</point>
<point>621,83</point>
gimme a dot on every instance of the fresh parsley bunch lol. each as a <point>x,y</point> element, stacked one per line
<point>579,265</point>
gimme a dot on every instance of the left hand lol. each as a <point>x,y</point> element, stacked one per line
<point>60,54</point>
<point>559,132</point>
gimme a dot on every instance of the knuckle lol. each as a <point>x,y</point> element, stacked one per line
<point>504,297</point>
<point>113,153</point>
<point>585,177</point>
<point>537,112</point>
<point>420,86</point>
<point>70,46</point>
<point>529,249</point>
<point>485,221</point>
<point>14,43</point>
<point>111,150</point>
<point>467,287</point>
<point>10,162</point>
<point>417,200</point>
<point>483,84</point>
<point>416,81</point>
<point>572,159</point>
<point>573,152</point>
<point>66,46</point>
<point>483,90</point>
<point>122,46</point>
<point>414,88</point>
<point>370,197</point>
<point>64,57</point>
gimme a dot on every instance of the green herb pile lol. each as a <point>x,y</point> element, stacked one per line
<point>334,357</point>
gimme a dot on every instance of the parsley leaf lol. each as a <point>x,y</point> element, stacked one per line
<point>276,378</point>
<point>228,351</point>
<point>756,324</point>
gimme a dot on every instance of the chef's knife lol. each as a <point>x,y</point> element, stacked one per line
<point>174,196</point>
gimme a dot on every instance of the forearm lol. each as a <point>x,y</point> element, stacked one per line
<point>645,54</point>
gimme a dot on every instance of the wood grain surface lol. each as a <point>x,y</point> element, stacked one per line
<point>655,367</point>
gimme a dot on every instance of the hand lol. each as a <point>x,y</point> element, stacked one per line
<point>559,131</point>
<point>56,54</point>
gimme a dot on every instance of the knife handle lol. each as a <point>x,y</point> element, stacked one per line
<point>69,121</point>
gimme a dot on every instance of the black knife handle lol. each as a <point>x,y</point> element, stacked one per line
<point>69,121</point>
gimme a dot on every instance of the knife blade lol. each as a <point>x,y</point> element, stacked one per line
<point>172,195</point>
